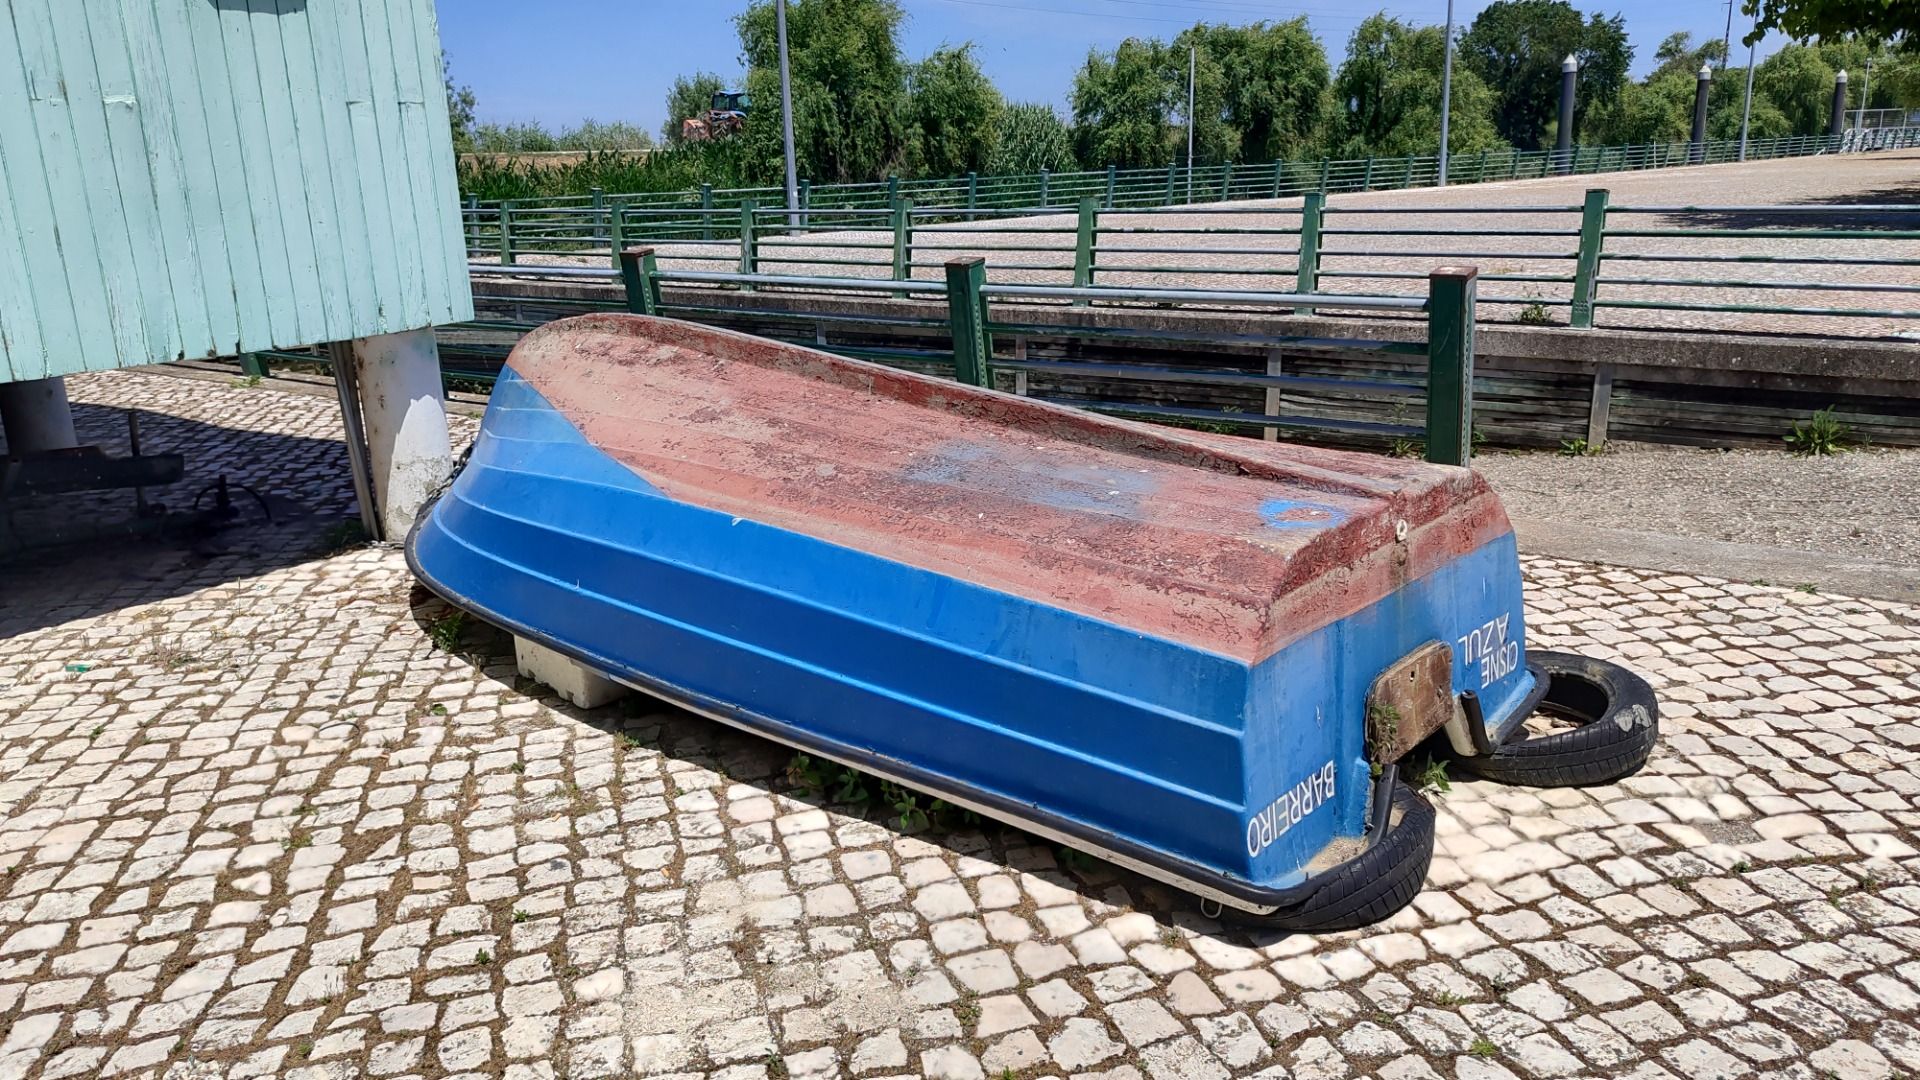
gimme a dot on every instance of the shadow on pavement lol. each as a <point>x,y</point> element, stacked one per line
<point>293,497</point>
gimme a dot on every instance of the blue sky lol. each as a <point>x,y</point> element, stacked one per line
<point>560,61</point>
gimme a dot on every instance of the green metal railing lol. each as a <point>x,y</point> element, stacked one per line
<point>978,335</point>
<point>1578,258</point>
<point>594,223</point>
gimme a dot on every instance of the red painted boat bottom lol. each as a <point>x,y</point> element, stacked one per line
<point>1225,544</point>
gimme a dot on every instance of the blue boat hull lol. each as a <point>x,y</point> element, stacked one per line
<point>1243,780</point>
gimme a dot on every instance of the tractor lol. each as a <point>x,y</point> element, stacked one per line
<point>725,115</point>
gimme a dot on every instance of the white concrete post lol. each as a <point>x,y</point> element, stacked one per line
<point>405,411</point>
<point>37,416</point>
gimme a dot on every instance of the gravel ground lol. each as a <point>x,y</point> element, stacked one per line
<point>1862,503</point>
<point>1352,238</point>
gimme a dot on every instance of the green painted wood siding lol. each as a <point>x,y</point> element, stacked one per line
<point>186,178</point>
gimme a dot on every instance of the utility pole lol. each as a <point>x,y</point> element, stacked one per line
<point>1446,96</point>
<point>786,117</point>
<point>1726,43</point>
<point>1746,105</point>
<point>1866,87</point>
<point>1192,64</point>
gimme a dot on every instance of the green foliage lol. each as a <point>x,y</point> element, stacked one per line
<point>1259,94</point>
<point>848,89</point>
<point>1797,82</point>
<point>1389,87</point>
<point>1428,774</point>
<point>460,105</point>
<point>953,114</point>
<point>594,135</point>
<point>721,163</point>
<point>444,631</point>
<point>1896,21</point>
<point>1123,102</point>
<point>1536,314</point>
<point>1820,436</point>
<point>530,137</point>
<point>1516,47</point>
<point>1579,448</point>
<point>1031,137</point>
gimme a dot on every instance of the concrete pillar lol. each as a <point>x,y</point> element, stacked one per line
<point>1563,138</point>
<point>37,416</point>
<point>1698,152</point>
<point>405,414</point>
<point>1838,125</point>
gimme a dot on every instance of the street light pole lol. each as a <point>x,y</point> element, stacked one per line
<point>1192,64</point>
<point>1446,97</point>
<point>1866,87</point>
<point>786,117</point>
<point>1726,43</point>
<point>1746,105</point>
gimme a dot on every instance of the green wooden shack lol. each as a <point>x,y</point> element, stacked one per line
<point>197,178</point>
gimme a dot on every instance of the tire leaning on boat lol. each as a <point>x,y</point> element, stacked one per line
<point>1615,718</point>
<point>1363,890</point>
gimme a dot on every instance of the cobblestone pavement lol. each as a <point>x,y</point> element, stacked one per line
<point>1358,246</point>
<point>271,813</point>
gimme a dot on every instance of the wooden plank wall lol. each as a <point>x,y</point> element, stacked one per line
<point>193,178</point>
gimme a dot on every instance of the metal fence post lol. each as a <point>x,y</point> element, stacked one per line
<point>1326,167</point>
<point>893,188</point>
<point>1586,267</point>
<point>1112,175</point>
<point>1307,266</point>
<point>1083,246</point>
<point>806,201</point>
<point>1169,200</point>
<point>902,241</point>
<point>506,232</point>
<point>749,242</point>
<point>1366,181</point>
<point>255,365</point>
<point>973,190</point>
<point>637,269</point>
<point>1045,183</point>
<point>1226,182</point>
<point>1407,180</point>
<point>706,211</point>
<point>967,318</point>
<point>1279,170</point>
<point>617,228</point>
<point>1450,303</point>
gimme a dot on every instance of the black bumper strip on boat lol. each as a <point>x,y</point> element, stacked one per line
<point>1259,898</point>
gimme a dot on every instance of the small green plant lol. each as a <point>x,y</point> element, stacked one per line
<point>246,382</point>
<point>482,958</point>
<point>296,841</point>
<point>444,631</point>
<point>1447,999</point>
<point>98,730</point>
<point>304,1050</point>
<point>1482,1048</point>
<point>1408,448</point>
<point>809,777</point>
<point>1578,448</point>
<point>518,767</point>
<point>629,741</point>
<point>437,709</point>
<point>906,804</point>
<point>1075,859</point>
<point>520,916</point>
<point>776,1067</point>
<point>851,788</point>
<point>1428,774</point>
<point>967,1009</point>
<point>1536,314</point>
<point>1821,436</point>
<point>345,535</point>
<point>1169,937</point>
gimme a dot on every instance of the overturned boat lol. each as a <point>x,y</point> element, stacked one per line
<point>1201,657</point>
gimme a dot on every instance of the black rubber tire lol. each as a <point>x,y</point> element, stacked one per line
<point>1367,888</point>
<point>1619,722</point>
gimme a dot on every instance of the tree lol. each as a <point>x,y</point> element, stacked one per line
<point>1894,21</point>
<point>530,137</point>
<point>848,88</point>
<point>1799,83</point>
<point>1516,48</point>
<point>460,105</point>
<point>953,114</point>
<point>1122,106</point>
<point>690,96</point>
<point>1031,137</point>
<point>1388,89</point>
<point>1264,84</point>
